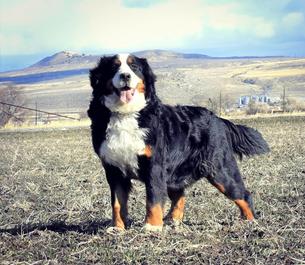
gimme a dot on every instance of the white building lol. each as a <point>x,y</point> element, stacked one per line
<point>245,100</point>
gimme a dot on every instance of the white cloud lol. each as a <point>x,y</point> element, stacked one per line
<point>262,27</point>
<point>113,26</point>
<point>225,18</point>
<point>10,42</point>
<point>31,26</point>
<point>34,26</point>
<point>29,14</point>
<point>109,25</point>
<point>98,24</point>
<point>293,19</point>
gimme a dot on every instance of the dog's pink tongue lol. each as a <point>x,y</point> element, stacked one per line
<point>126,96</point>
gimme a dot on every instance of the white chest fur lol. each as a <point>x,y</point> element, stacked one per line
<point>124,141</point>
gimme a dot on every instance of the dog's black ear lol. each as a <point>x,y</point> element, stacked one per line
<point>100,73</point>
<point>94,77</point>
<point>149,81</point>
<point>150,77</point>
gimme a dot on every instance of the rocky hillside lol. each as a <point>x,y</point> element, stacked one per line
<point>72,58</point>
<point>66,57</point>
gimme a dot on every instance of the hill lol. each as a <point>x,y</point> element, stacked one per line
<point>153,56</point>
<point>65,57</point>
<point>72,58</point>
<point>164,55</point>
<point>68,60</point>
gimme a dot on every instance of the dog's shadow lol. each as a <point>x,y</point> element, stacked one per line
<point>88,227</point>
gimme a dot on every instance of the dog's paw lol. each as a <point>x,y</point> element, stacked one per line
<point>172,222</point>
<point>176,222</point>
<point>115,230</point>
<point>153,228</point>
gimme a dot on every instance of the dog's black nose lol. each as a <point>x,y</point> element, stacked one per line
<point>125,76</point>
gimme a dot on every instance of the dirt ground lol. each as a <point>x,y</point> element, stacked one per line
<point>55,206</point>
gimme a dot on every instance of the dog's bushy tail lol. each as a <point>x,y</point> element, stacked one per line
<point>245,141</point>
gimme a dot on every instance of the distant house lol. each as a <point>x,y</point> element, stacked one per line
<point>245,100</point>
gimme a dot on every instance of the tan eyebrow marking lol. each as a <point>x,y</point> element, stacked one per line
<point>130,60</point>
<point>117,61</point>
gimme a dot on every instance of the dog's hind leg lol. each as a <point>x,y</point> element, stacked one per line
<point>229,182</point>
<point>176,211</point>
<point>236,192</point>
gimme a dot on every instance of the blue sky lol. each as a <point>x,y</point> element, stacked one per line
<point>213,27</point>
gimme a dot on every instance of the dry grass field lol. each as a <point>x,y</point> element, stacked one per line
<point>55,206</point>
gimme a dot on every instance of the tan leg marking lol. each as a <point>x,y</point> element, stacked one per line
<point>119,209</point>
<point>220,187</point>
<point>245,209</point>
<point>177,209</point>
<point>117,218</point>
<point>154,215</point>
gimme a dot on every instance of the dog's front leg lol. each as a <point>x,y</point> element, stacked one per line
<point>120,187</point>
<point>155,199</point>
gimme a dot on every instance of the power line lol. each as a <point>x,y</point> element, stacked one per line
<point>42,111</point>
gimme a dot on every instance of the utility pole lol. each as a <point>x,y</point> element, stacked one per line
<point>36,114</point>
<point>220,103</point>
<point>284,100</point>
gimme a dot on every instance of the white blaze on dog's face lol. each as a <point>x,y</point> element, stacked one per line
<point>128,82</point>
<point>125,76</point>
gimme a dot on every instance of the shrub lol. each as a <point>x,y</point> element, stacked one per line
<point>11,95</point>
<point>294,104</point>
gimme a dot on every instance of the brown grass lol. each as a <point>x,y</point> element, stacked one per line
<point>55,206</point>
<point>269,73</point>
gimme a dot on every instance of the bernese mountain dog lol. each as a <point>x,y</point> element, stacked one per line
<point>166,147</point>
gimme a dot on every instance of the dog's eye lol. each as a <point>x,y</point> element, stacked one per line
<point>135,67</point>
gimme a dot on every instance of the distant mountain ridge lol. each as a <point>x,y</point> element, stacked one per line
<point>67,57</point>
<point>72,58</point>
<point>164,54</point>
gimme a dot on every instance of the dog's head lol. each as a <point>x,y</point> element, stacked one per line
<point>124,83</point>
